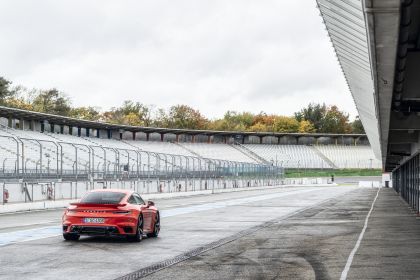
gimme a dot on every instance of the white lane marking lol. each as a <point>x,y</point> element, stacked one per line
<point>45,232</point>
<point>29,235</point>
<point>30,224</point>
<point>359,240</point>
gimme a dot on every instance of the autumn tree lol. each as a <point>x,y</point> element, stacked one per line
<point>314,113</point>
<point>53,102</point>
<point>85,113</point>
<point>313,118</point>
<point>306,127</point>
<point>130,113</point>
<point>286,124</point>
<point>357,126</point>
<point>335,121</point>
<point>264,120</point>
<point>183,116</point>
<point>5,90</point>
<point>235,121</point>
<point>258,127</point>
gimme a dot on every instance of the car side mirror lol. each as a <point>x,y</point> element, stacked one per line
<point>150,203</point>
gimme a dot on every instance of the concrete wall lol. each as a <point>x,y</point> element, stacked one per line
<point>32,192</point>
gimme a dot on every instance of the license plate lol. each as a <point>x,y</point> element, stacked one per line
<point>94,220</point>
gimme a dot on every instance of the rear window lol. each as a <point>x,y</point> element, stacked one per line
<point>103,197</point>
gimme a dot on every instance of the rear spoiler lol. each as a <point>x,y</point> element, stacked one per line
<point>97,204</point>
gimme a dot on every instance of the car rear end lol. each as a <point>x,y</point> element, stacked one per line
<point>99,214</point>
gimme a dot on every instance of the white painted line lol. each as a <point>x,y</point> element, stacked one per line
<point>359,240</point>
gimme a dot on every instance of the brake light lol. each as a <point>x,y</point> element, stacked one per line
<point>122,212</point>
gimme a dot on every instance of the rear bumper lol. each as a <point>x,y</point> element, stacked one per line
<point>100,230</point>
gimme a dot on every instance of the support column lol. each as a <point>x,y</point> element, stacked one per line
<point>177,138</point>
<point>209,139</point>
<point>42,126</point>
<point>162,136</point>
<point>243,139</point>
<point>355,141</point>
<point>98,133</point>
<point>62,129</point>
<point>79,131</point>
<point>10,122</point>
<point>193,138</point>
<point>261,139</point>
<point>147,136</point>
<point>109,133</point>
<point>134,135</point>
<point>21,124</point>
<point>70,130</point>
<point>32,125</point>
<point>87,132</point>
<point>278,140</point>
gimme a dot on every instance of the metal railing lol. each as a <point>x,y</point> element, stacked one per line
<point>30,158</point>
<point>406,181</point>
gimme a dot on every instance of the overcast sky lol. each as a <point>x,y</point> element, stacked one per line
<point>214,55</point>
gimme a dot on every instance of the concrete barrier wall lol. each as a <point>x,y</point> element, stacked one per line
<point>55,204</point>
<point>25,192</point>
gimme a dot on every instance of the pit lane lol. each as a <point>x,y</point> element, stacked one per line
<point>188,224</point>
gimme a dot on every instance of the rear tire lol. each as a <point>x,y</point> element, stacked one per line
<point>139,231</point>
<point>156,228</point>
<point>71,236</point>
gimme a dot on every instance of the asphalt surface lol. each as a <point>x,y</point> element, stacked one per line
<point>289,233</point>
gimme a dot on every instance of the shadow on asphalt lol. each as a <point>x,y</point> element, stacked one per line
<point>108,240</point>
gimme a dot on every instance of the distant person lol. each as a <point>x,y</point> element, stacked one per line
<point>332,178</point>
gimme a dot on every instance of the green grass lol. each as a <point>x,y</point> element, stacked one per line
<point>294,173</point>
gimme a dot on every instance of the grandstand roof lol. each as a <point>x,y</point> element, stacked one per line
<point>7,112</point>
<point>346,27</point>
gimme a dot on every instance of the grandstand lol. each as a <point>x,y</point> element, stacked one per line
<point>37,143</point>
<point>43,150</point>
<point>70,156</point>
<point>290,156</point>
<point>360,157</point>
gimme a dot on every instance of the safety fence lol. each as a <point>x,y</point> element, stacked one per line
<point>38,169</point>
<point>25,158</point>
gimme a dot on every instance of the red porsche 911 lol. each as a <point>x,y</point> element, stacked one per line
<point>111,213</point>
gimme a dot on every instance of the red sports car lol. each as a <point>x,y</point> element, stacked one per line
<point>111,213</point>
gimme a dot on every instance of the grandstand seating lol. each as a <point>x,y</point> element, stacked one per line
<point>161,147</point>
<point>291,156</point>
<point>218,151</point>
<point>111,154</point>
<point>350,156</point>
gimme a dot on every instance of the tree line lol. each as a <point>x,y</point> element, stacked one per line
<point>313,118</point>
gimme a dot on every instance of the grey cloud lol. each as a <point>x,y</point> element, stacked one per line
<point>216,55</point>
